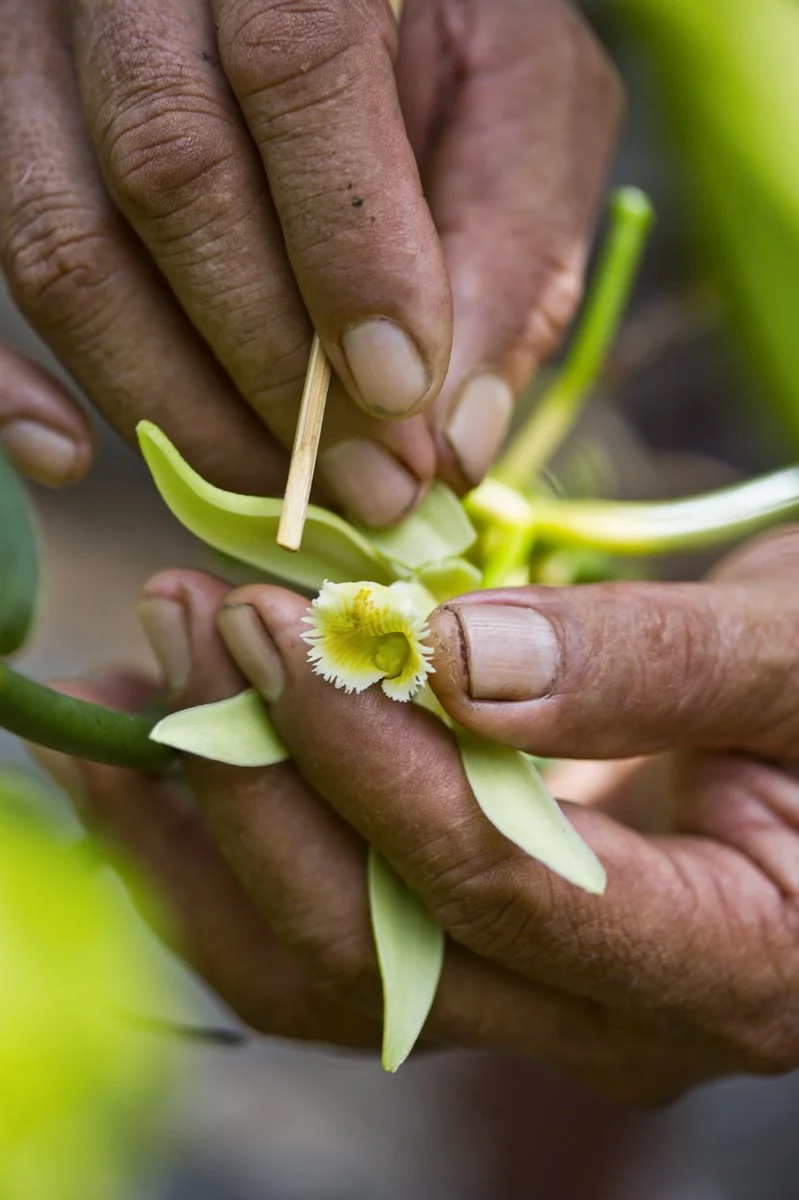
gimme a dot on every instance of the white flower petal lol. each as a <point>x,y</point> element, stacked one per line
<point>350,637</point>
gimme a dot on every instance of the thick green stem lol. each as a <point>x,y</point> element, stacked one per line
<point>555,413</point>
<point>48,718</point>
<point>623,527</point>
<point>511,553</point>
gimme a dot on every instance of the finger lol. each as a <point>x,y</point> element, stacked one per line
<point>679,914</point>
<point>180,163</point>
<point>618,670</point>
<point>514,179</point>
<point>44,432</point>
<point>83,282</point>
<point>210,919</point>
<point>317,89</point>
<point>303,866</point>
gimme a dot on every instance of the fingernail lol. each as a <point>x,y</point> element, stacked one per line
<point>510,653</point>
<point>166,625</point>
<point>40,453</point>
<point>369,481</point>
<point>479,423</point>
<point>389,372</point>
<point>62,770</point>
<point>253,649</point>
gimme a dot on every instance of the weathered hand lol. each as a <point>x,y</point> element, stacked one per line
<point>685,970</point>
<point>187,185</point>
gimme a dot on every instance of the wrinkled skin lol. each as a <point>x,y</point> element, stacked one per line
<point>187,186</point>
<point>686,970</point>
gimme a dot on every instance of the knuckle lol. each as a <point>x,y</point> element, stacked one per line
<point>553,310</point>
<point>561,297</point>
<point>281,45</point>
<point>753,1026</point>
<point>764,1045</point>
<point>759,1029</point>
<point>600,78</point>
<point>338,949</point>
<point>162,153</point>
<point>772,556</point>
<point>493,915</point>
<point>159,127</point>
<point>58,261</point>
<point>344,967</point>
<point>480,900</point>
<point>681,634</point>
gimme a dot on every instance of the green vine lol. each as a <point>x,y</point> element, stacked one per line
<point>48,718</point>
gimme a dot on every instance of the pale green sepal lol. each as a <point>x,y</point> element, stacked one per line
<point>238,731</point>
<point>245,527</point>
<point>428,700</point>
<point>516,801</point>
<point>449,578</point>
<point>438,529</point>
<point>410,951</point>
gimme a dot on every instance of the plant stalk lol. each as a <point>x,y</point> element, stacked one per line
<point>76,727</point>
<point>632,527</point>
<point>676,525</point>
<point>631,217</point>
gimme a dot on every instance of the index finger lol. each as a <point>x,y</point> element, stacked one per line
<point>317,89</point>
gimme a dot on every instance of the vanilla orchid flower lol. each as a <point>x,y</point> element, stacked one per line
<point>365,633</point>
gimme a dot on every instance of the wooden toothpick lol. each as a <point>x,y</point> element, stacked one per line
<point>305,450</point>
<point>309,431</point>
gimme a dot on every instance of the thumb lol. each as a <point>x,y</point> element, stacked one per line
<point>616,670</point>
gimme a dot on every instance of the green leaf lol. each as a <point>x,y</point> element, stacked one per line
<point>517,802</point>
<point>245,527</point>
<point>451,577</point>
<point>439,529</point>
<point>237,731</point>
<point>19,561</point>
<point>410,951</point>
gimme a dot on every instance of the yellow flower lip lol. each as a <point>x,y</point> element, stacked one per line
<point>390,653</point>
<point>364,633</point>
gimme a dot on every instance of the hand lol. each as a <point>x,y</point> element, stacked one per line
<point>187,186</point>
<point>686,969</point>
<point>42,429</point>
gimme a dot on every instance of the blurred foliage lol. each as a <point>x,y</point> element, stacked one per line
<point>729,79</point>
<point>76,1082</point>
